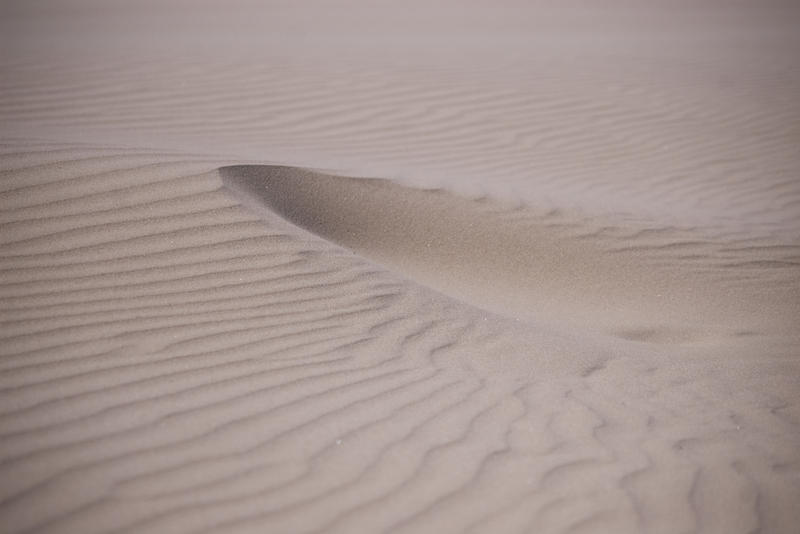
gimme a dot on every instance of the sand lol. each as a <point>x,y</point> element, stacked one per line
<point>365,267</point>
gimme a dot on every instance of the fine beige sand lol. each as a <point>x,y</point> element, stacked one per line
<point>354,266</point>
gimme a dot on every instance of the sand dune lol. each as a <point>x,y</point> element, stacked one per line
<point>174,360</point>
<point>474,268</point>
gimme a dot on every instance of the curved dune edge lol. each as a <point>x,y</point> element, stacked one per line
<point>657,285</point>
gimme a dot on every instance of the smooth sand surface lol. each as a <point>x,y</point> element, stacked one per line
<point>365,267</point>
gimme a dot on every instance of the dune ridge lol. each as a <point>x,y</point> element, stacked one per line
<point>174,360</point>
<point>547,266</point>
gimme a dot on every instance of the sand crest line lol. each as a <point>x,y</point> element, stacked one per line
<point>516,261</point>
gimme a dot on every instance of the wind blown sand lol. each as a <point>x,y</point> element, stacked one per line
<point>508,268</point>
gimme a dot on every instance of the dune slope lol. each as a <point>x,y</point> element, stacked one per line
<point>174,361</point>
<point>549,266</point>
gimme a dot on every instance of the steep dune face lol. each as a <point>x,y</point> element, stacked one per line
<point>640,282</point>
<point>564,299</point>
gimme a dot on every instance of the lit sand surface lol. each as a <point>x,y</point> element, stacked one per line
<point>365,267</point>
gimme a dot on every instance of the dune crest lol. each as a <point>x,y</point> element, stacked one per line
<point>661,285</point>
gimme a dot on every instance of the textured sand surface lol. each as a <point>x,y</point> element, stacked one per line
<point>357,267</point>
